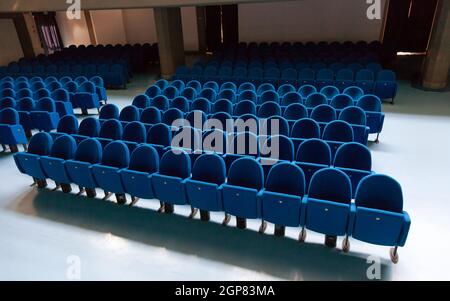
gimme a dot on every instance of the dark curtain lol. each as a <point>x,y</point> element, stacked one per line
<point>48,32</point>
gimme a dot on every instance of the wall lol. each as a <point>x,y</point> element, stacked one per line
<point>109,26</point>
<point>73,32</point>
<point>10,48</point>
<point>308,20</point>
<point>190,33</point>
<point>139,25</point>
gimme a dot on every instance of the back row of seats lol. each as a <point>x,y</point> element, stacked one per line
<point>324,206</point>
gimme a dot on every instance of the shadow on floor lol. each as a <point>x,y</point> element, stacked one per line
<point>280,257</point>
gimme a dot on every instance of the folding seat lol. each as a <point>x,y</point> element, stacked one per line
<point>329,91</point>
<point>53,165</point>
<point>336,132</point>
<point>379,215</point>
<point>52,86</point>
<point>160,136</point>
<point>189,93</point>
<point>11,131</point>
<point>256,75</point>
<point>62,102</point>
<point>275,148</point>
<point>240,193</point>
<point>196,85</point>
<point>109,111</point>
<point>180,103</point>
<point>72,88</point>
<point>306,90</point>
<point>209,94</point>
<point>178,84</point>
<point>365,80</point>
<point>29,162</point>
<point>141,101</point>
<point>374,67</point>
<point>204,187</point>
<point>153,91</point>
<point>218,120</point>
<point>170,92</point>
<point>201,104</point>
<point>285,89</point>
<point>41,93</point>
<point>325,77</point>
<point>344,79</point>
<point>169,182</point>
<point>211,85</point>
<point>161,102</point>
<point>99,88</point>
<point>45,118</point>
<point>19,86</point>
<point>323,113</point>
<point>65,79</point>
<point>196,118</point>
<point>223,105</point>
<point>288,76</point>
<point>269,109</point>
<point>274,125</point>
<point>246,86</point>
<point>80,80</point>
<point>269,96</point>
<point>86,97</point>
<point>341,101</point>
<point>355,160</point>
<point>161,84</point>
<point>171,115</point>
<point>272,75</point>
<point>151,115</point>
<point>328,206</point>
<point>228,86</point>
<point>89,127</point>
<point>385,85</point>
<point>282,196</point>
<point>128,114</point>
<point>227,94</point>
<point>294,112</point>
<point>247,95</point>
<point>67,125</point>
<point>110,130</point>
<point>6,85</point>
<point>353,115</point>
<point>245,107</point>
<point>35,79</point>
<point>24,107</point>
<point>312,155</point>
<point>265,87</point>
<point>7,92</point>
<point>315,99</point>
<point>134,133</point>
<point>291,98</point>
<point>7,102</point>
<point>354,92</point>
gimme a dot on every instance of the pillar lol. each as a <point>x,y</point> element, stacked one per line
<point>170,39</point>
<point>437,61</point>
<point>28,34</point>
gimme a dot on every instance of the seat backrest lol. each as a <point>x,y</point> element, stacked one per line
<point>325,74</point>
<point>68,124</point>
<point>116,154</point>
<point>129,113</point>
<point>40,144</point>
<point>171,115</point>
<point>87,87</point>
<point>209,168</point>
<point>269,95</point>
<point>178,84</point>
<point>144,159</point>
<point>7,102</point>
<point>247,95</point>
<point>353,155</point>
<point>246,172</point>
<point>46,104</point>
<point>354,92</point>
<point>344,74</point>
<point>141,101</point>
<point>195,84</point>
<point>211,85</point>
<point>323,113</point>
<point>305,128</point>
<point>315,99</point>
<point>161,102</point>
<point>111,129</point>
<point>341,101</point>
<point>286,178</point>
<point>64,147</point>
<point>268,109</point>
<point>159,134</point>
<point>284,148</point>
<point>338,130</point>
<point>9,116</point>
<point>90,127</point>
<point>228,86</point>
<point>295,111</point>
<point>329,91</point>
<point>153,91</point>
<point>208,93</point>
<point>175,164</point>
<point>386,75</point>
<point>265,87</point>
<point>246,86</point>
<point>223,105</point>
<point>201,104</point>
<point>314,151</point>
<point>371,103</point>
<point>135,132</point>
<point>180,103</point>
<point>331,184</point>
<point>161,84</point>
<point>151,115</point>
<point>291,98</point>
<point>381,192</point>
<point>109,111</point>
<point>227,94</point>
<point>365,74</point>
<point>26,104</point>
<point>284,89</point>
<point>196,118</point>
<point>170,92</point>
<point>353,115</point>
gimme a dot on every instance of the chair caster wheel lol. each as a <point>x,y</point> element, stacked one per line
<point>394,255</point>
<point>346,245</point>
<point>302,236</point>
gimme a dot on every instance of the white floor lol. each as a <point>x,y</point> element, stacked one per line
<point>48,235</point>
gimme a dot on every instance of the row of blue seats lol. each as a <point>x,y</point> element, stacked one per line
<point>324,206</point>
<point>12,132</point>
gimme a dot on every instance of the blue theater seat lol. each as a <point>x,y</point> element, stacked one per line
<point>355,160</point>
<point>11,131</point>
<point>25,92</point>
<point>89,127</point>
<point>245,107</point>
<point>29,162</point>
<point>160,137</point>
<point>354,92</point>
<point>209,94</point>
<point>269,95</point>
<point>228,86</point>
<point>116,156</point>
<point>134,133</point>
<point>194,84</point>
<point>223,105</point>
<point>86,97</point>
<point>227,94</point>
<point>247,95</point>
<point>181,103</point>
<point>341,101</point>
<point>151,115</point>
<point>128,114</point>
<point>161,102</point>
<point>323,113</point>
<point>178,84</point>
<point>353,115</point>
<point>313,155</point>
<point>67,125</point>
<point>379,215</point>
<point>282,195</point>
<point>110,130</point>
<point>294,112</point>
<point>268,109</point>
<point>371,104</point>
<point>385,85</point>
<point>141,101</point>
<point>88,153</point>
<point>45,118</point>
<point>161,84</point>
<point>169,182</point>
<point>153,91</point>
<point>246,86</point>
<point>171,115</point>
<point>99,88</point>
<point>329,92</point>
<point>189,93</point>
<point>327,208</point>
<point>8,102</point>
<point>53,165</point>
<point>291,98</point>
<point>325,77</point>
<point>344,79</point>
<point>137,178</point>
<point>336,132</point>
<point>170,92</point>
<point>240,193</point>
<point>265,87</point>
<point>365,80</point>
<point>306,76</point>
<point>204,187</point>
<point>211,85</point>
<point>201,104</point>
<point>315,99</point>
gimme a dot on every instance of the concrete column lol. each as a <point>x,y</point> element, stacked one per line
<point>437,61</point>
<point>90,26</point>
<point>28,34</point>
<point>170,39</point>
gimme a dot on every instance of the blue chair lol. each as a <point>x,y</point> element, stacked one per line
<point>88,153</point>
<point>29,162</point>
<point>109,131</point>
<point>268,109</point>
<point>169,182</point>
<point>86,97</point>
<point>289,76</point>
<point>329,92</point>
<point>67,125</point>
<point>196,118</point>
<point>371,104</point>
<point>228,86</point>
<point>313,155</point>
<point>160,137</point>
<point>161,102</point>
<point>282,196</point>
<point>211,85</point>
<point>272,75</point>
<point>264,88</point>
<point>53,165</point>
<point>223,105</point>
<point>128,114</point>
<point>25,106</point>
<point>306,90</point>
<point>247,95</point>
<point>209,94</point>
<point>45,118</point>
<point>116,156</point>
<point>41,93</point>
<point>52,86</point>
<point>274,125</point>
<point>315,99</point>
<point>291,98</point>
<point>228,94</point>
<point>269,95</point>
<point>285,89</point>
<point>137,177</point>
<point>294,112</point>
<point>337,132</point>
<point>189,93</point>
<point>8,102</point>
<point>194,84</point>
<point>11,131</point>
<point>306,76</point>
<point>246,86</point>
<point>354,92</point>
<point>353,115</point>
<point>109,111</point>
<point>325,77</point>
<point>89,127</point>
<point>141,101</point>
<point>181,103</point>
<point>245,107</point>
<point>178,84</point>
<point>153,91</point>
<point>256,75</point>
<point>341,101</point>
<point>161,84</point>
<point>99,88</point>
<point>344,79</point>
<point>201,104</point>
<point>72,88</point>
<point>385,85</point>
<point>323,113</point>
<point>171,115</point>
<point>240,193</point>
<point>379,215</point>
<point>170,92</point>
<point>328,206</point>
<point>25,92</point>
<point>134,133</point>
<point>204,187</point>
<point>151,115</point>
<point>365,80</point>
